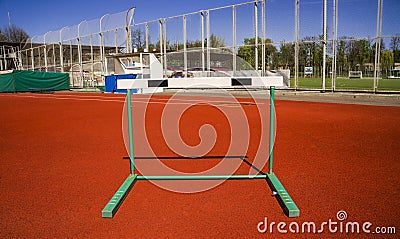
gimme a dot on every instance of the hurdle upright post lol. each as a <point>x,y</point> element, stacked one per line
<point>271,128</point>
<point>130,131</point>
<point>115,202</point>
<point>283,197</point>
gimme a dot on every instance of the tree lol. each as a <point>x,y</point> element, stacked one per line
<point>395,47</point>
<point>13,34</point>
<point>138,39</point>
<point>247,52</point>
<point>216,41</point>
<point>373,46</point>
<point>310,53</point>
<point>387,60</point>
<point>193,44</point>
<point>2,36</point>
<point>360,52</point>
<point>287,55</point>
<point>341,57</point>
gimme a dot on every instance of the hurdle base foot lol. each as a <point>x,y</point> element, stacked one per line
<point>115,202</point>
<point>284,199</point>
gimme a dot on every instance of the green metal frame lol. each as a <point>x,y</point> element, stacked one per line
<point>284,199</point>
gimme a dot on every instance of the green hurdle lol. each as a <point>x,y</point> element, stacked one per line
<point>284,199</point>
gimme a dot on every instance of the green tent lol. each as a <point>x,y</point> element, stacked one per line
<point>26,81</point>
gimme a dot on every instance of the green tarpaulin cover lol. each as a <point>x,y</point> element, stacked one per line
<point>23,81</point>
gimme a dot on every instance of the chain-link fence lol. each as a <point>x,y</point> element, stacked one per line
<point>341,52</point>
<point>79,50</point>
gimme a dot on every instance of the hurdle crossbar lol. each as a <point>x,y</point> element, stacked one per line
<point>284,199</point>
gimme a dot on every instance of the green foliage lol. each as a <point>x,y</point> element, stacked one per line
<point>350,84</point>
<point>247,52</point>
<point>286,59</point>
<point>395,47</point>
<point>352,54</point>
<point>139,42</point>
<point>216,42</point>
<point>2,36</point>
<point>310,54</point>
<point>387,60</point>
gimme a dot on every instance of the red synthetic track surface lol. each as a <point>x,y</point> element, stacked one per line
<point>60,163</point>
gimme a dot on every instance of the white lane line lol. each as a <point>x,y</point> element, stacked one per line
<point>137,99</point>
<point>172,97</point>
<point>69,98</point>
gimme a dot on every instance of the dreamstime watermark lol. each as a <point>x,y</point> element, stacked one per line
<point>338,225</point>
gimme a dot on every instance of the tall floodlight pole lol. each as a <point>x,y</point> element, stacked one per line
<point>296,47</point>
<point>324,47</point>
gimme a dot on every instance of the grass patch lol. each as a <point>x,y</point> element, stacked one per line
<point>348,84</point>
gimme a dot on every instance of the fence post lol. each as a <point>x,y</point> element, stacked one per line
<point>116,40</point>
<point>263,25</point>
<point>80,55</point>
<point>45,51</point>
<point>129,30</point>
<point>147,38</point>
<point>334,42</point>
<point>32,55</point>
<point>61,51</point>
<point>202,41</point>
<point>160,43</point>
<point>92,58</point>
<point>165,44</point>
<point>324,47</point>
<point>234,40</point>
<point>377,67</point>
<point>296,47</point>
<point>256,36</point>
<point>208,46</point>
<point>102,51</point>
<point>185,63</point>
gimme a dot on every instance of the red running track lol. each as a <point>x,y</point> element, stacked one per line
<point>60,159</point>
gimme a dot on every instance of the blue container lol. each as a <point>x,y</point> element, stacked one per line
<point>111,83</point>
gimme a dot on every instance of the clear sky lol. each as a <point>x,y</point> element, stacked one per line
<point>356,17</point>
